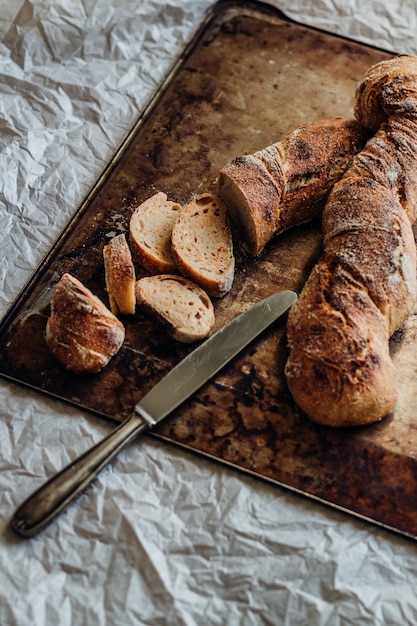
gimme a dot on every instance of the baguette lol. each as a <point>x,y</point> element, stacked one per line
<point>339,369</point>
<point>119,276</point>
<point>82,334</point>
<point>179,304</point>
<point>287,183</point>
<point>150,233</point>
<point>202,245</point>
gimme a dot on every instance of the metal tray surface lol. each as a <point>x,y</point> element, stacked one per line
<point>248,78</point>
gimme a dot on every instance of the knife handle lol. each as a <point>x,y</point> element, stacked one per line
<point>51,498</point>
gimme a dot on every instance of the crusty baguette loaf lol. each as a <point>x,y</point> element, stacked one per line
<point>179,304</point>
<point>82,334</point>
<point>339,368</point>
<point>119,276</point>
<point>202,245</point>
<point>150,233</point>
<point>288,182</point>
<point>387,90</point>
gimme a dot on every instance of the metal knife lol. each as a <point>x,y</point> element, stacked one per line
<point>171,391</point>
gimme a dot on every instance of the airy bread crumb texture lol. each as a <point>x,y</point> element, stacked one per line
<point>179,304</point>
<point>202,245</point>
<point>150,233</point>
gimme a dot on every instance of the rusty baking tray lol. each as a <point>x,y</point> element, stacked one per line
<point>249,77</point>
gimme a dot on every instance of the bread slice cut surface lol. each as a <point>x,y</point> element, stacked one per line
<point>179,304</point>
<point>202,245</point>
<point>150,233</point>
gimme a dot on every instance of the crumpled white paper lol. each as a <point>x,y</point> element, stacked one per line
<point>163,537</point>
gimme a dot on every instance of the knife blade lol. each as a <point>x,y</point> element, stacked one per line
<point>43,506</point>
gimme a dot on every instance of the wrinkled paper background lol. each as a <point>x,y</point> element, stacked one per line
<point>163,537</point>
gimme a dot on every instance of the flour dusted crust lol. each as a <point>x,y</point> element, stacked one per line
<point>150,233</point>
<point>288,182</point>
<point>119,276</point>
<point>202,244</point>
<point>82,334</point>
<point>179,304</point>
<point>339,369</point>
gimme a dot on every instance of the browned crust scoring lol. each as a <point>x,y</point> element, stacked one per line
<point>82,334</point>
<point>287,183</point>
<point>367,231</point>
<point>389,158</point>
<point>339,369</point>
<point>119,276</point>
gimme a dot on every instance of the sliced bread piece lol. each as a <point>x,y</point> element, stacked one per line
<point>120,276</point>
<point>150,233</point>
<point>202,244</point>
<point>178,303</point>
<point>81,332</point>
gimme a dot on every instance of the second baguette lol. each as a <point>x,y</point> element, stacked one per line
<point>339,369</point>
<point>119,275</point>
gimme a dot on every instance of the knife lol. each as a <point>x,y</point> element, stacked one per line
<point>172,390</point>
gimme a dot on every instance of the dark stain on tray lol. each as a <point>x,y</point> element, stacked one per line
<point>249,77</point>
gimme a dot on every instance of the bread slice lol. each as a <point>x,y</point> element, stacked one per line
<point>178,303</point>
<point>150,233</point>
<point>120,276</point>
<point>82,334</point>
<point>202,245</point>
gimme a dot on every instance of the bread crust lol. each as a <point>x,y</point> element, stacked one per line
<point>119,276</point>
<point>82,334</point>
<point>202,245</point>
<point>288,182</point>
<point>339,369</point>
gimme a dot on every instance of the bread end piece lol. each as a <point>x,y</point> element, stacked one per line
<point>252,197</point>
<point>81,332</point>
<point>120,276</point>
<point>179,304</point>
